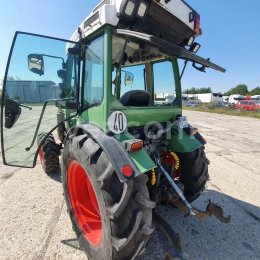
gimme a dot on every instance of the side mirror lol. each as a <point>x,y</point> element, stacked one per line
<point>129,78</point>
<point>12,112</point>
<point>36,63</point>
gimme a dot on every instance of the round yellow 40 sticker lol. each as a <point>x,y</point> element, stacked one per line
<point>117,122</point>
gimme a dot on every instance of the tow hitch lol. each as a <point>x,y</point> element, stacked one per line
<point>178,199</point>
<point>212,209</point>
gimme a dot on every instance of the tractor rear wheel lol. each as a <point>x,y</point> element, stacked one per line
<point>112,220</point>
<point>193,172</point>
<point>49,154</point>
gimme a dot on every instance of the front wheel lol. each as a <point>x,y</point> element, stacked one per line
<point>112,220</point>
<point>49,154</point>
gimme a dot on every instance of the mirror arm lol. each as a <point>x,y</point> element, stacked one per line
<point>55,57</point>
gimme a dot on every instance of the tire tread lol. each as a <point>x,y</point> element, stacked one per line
<point>127,216</point>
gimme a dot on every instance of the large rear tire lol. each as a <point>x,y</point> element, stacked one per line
<point>49,154</point>
<point>193,172</point>
<point>112,220</point>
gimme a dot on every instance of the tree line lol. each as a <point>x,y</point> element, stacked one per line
<point>240,89</point>
<point>197,90</point>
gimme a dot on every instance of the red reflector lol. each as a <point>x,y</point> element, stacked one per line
<point>197,24</point>
<point>127,170</point>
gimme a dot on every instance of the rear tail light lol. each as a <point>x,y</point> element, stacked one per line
<point>133,145</point>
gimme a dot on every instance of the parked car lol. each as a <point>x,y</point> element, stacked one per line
<point>190,103</point>
<point>247,105</point>
<point>222,104</point>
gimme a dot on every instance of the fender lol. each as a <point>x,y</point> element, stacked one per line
<point>182,141</point>
<point>113,148</point>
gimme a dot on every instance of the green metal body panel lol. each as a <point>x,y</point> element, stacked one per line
<point>142,161</point>
<point>147,115</point>
<point>95,115</point>
<point>181,142</point>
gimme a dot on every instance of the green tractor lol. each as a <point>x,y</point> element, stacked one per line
<point>113,94</point>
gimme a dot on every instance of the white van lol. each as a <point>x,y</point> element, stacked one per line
<point>255,97</point>
<point>233,99</point>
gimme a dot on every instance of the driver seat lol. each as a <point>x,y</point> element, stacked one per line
<point>136,98</point>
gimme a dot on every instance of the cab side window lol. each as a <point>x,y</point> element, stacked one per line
<point>164,83</point>
<point>94,73</point>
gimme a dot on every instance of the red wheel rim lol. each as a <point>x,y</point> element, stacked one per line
<point>84,203</point>
<point>41,157</point>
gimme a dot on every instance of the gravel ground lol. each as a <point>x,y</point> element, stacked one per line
<point>35,223</point>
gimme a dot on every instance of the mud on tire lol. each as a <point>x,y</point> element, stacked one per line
<point>49,154</point>
<point>194,172</point>
<point>124,209</point>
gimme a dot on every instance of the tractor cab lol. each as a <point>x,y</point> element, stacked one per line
<point>122,60</point>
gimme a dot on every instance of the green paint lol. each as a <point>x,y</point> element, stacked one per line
<point>182,142</point>
<point>147,115</point>
<point>142,161</point>
<point>107,71</point>
<point>95,115</point>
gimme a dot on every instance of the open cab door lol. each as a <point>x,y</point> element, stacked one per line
<point>42,76</point>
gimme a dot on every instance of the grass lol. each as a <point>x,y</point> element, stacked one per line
<point>225,111</point>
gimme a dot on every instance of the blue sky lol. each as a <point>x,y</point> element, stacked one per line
<point>230,35</point>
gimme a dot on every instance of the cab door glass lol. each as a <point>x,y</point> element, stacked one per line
<point>42,76</point>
